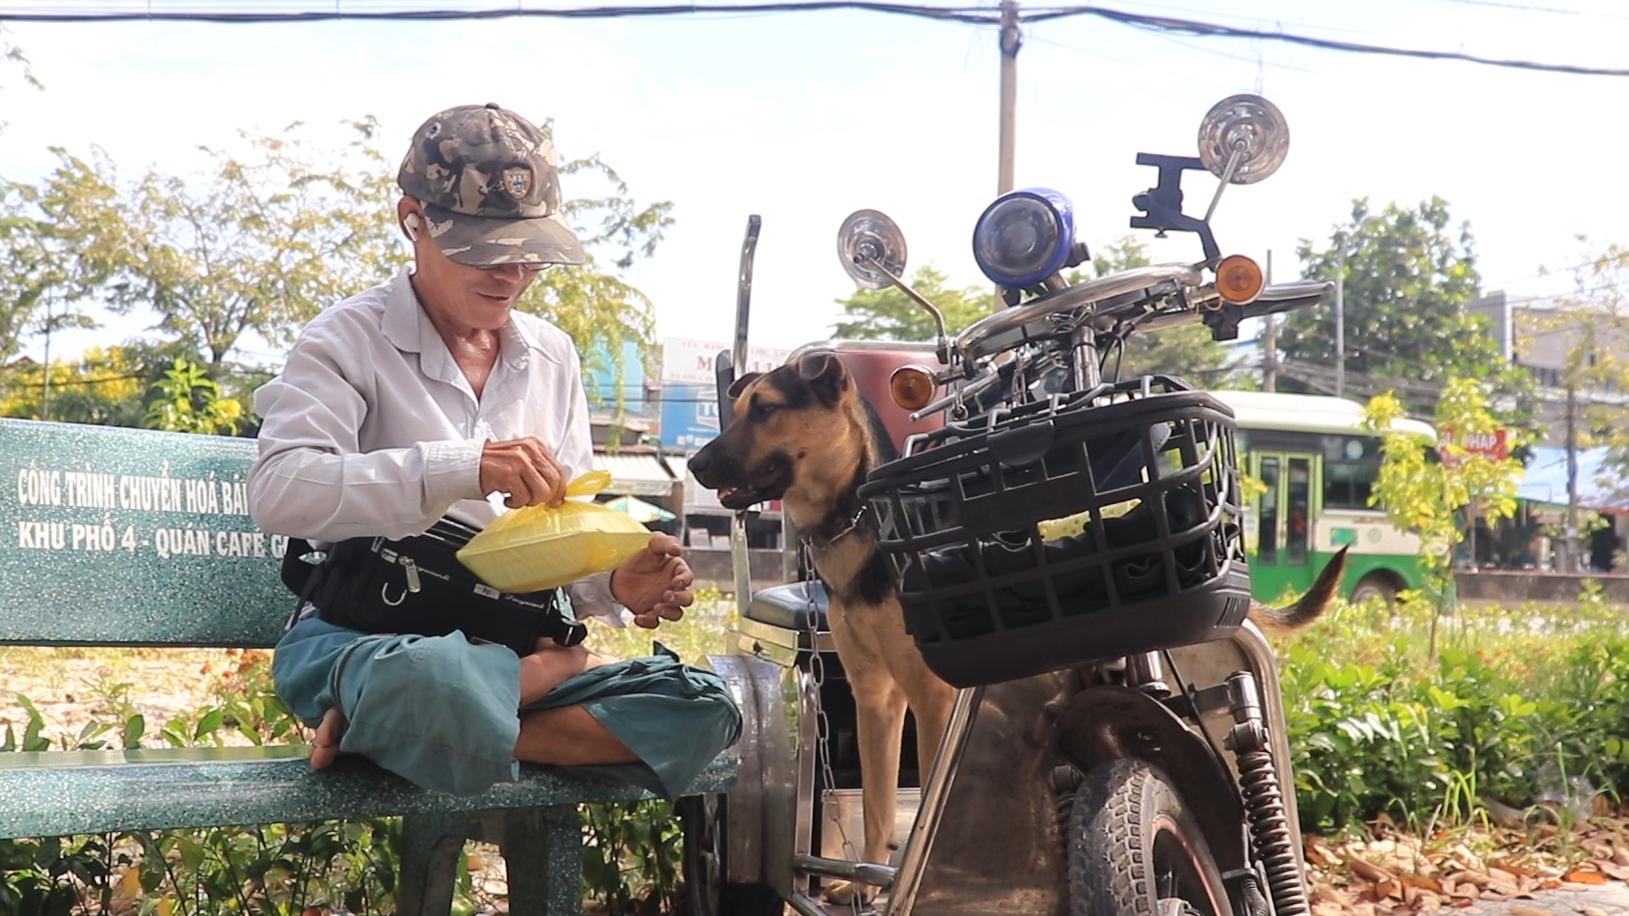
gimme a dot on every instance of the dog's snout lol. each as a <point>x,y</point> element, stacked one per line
<point>710,466</point>
<point>700,463</point>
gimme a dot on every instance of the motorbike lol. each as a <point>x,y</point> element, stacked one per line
<point>1069,554</point>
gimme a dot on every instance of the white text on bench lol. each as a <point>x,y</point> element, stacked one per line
<point>100,490</point>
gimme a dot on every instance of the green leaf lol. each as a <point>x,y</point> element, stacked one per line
<point>209,724</point>
<point>134,728</point>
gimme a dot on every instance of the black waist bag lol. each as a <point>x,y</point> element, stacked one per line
<point>417,585</point>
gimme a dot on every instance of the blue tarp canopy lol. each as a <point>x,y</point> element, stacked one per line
<point>1546,480</point>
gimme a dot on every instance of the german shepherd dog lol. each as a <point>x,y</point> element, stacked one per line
<point>804,434</point>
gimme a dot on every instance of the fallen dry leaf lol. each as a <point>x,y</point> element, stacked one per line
<point>1519,910</point>
<point>1613,870</point>
<point>1368,870</point>
<point>1331,894</point>
<point>1591,910</point>
<point>1421,882</point>
<point>1469,877</point>
<point>1580,876</point>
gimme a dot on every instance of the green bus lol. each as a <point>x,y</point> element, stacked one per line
<point>1318,465</point>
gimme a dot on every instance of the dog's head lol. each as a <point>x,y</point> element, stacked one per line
<point>783,420</point>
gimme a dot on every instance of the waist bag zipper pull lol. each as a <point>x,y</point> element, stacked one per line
<point>413,583</point>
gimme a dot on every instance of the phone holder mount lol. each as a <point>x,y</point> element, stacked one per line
<point>1162,204</point>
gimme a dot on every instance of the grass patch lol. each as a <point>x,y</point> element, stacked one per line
<point>1515,708</point>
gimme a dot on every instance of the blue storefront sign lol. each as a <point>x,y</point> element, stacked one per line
<point>689,415</point>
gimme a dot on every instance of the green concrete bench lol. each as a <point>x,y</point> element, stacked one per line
<point>122,537</point>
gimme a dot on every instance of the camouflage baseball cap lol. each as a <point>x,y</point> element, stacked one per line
<point>491,192</point>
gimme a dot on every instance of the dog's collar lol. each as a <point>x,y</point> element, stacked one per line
<point>827,543</point>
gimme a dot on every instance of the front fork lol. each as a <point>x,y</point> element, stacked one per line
<point>1261,754</point>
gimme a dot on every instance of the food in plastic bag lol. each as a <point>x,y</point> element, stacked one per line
<point>538,547</point>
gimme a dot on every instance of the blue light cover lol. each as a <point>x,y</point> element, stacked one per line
<point>1024,236</point>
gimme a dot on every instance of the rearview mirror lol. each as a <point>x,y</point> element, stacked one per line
<point>1243,139</point>
<point>872,249</point>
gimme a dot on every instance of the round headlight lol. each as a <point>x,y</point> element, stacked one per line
<point>1025,236</point>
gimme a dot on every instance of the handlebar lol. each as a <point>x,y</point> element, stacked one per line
<point>1008,328</point>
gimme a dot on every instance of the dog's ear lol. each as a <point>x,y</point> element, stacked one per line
<point>740,384</point>
<point>825,374</point>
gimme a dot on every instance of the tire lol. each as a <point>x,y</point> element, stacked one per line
<point>1136,850</point>
<point>1375,586</point>
<point>705,864</point>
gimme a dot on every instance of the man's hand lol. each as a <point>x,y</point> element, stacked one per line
<point>655,583</point>
<point>526,470</point>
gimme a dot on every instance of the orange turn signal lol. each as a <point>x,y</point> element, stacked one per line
<point>1239,280</point>
<point>911,386</point>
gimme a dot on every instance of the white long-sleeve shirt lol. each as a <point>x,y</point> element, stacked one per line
<point>372,428</point>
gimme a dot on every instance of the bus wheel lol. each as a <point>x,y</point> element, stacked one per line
<point>1373,586</point>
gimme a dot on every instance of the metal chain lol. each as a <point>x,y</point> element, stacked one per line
<point>817,673</point>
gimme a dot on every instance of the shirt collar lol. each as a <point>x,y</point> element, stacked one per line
<point>402,315</point>
<point>406,325</point>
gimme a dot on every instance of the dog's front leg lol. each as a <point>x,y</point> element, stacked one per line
<point>930,700</point>
<point>880,720</point>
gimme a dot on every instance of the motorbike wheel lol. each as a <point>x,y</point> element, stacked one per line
<point>705,864</point>
<point>1136,850</point>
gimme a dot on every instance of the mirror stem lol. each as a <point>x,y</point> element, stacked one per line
<point>943,339</point>
<point>1233,163</point>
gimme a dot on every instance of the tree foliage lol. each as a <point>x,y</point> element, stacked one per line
<point>261,243</point>
<point>270,234</point>
<point>1408,278</point>
<point>889,314</point>
<point>1426,492</point>
<point>599,310</point>
<point>1589,331</point>
<point>12,56</point>
<point>191,402</point>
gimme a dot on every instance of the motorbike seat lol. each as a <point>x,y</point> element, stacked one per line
<point>789,606</point>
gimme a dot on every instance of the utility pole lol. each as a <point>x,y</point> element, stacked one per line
<point>1569,539</point>
<point>1011,41</point>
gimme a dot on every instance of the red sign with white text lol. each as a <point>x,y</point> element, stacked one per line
<point>1491,446</point>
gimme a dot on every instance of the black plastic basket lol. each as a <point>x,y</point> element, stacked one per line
<point>1147,472</point>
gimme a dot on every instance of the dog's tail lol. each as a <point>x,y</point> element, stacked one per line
<point>1309,608</point>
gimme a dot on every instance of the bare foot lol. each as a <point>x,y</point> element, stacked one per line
<point>325,746</point>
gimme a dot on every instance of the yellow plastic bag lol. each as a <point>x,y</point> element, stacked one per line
<point>538,547</point>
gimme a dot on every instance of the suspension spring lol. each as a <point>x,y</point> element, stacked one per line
<point>1264,806</point>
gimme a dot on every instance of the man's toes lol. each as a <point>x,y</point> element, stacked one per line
<point>325,745</point>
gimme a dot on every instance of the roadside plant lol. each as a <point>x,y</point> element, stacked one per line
<point>1429,488</point>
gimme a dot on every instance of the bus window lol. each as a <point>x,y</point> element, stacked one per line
<point>1297,531</point>
<point>1267,544</point>
<point>1351,466</point>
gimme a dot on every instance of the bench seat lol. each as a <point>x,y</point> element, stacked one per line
<point>57,793</point>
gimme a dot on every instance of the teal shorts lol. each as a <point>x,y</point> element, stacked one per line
<point>444,712</point>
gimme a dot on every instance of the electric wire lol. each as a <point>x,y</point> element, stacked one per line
<point>968,15</point>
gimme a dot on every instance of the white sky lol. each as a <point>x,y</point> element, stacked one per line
<point>804,117</point>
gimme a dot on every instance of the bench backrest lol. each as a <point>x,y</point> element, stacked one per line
<point>112,536</point>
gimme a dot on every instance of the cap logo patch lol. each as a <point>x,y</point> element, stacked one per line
<point>517,182</point>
